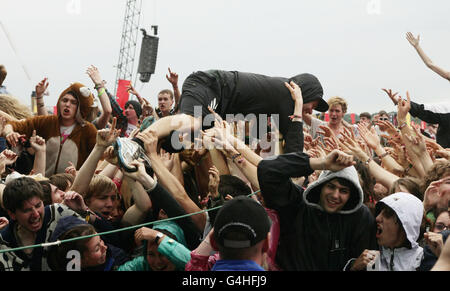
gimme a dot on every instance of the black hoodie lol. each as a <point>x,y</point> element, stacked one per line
<point>310,238</point>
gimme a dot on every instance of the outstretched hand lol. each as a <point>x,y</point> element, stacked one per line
<point>338,160</point>
<point>106,137</point>
<point>413,40</point>
<point>392,96</point>
<point>41,87</point>
<point>296,91</point>
<point>172,78</point>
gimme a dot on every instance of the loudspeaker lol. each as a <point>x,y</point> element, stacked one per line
<point>147,59</point>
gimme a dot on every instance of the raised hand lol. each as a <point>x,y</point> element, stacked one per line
<point>338,160</point>
<point>150,140</point>
<point>369,136</point>
<point>41,87</point>
<point>213,183</point>
<point>296,92</point>
<point>106,137</point>
<point>74,201</point>
<point>3,222</point>
<point>71,169</point>
<point>94,74</point>
<point>392,96</point>
<point>172,78</point>
<point>403,107</point>
<point>412,40</point>
<point>435,242</point>
<point>37,142</point>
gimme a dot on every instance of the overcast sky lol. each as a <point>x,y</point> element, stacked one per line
<point>354,47</point>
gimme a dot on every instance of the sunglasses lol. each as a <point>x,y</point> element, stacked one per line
<point>441,227</point>
<point>384,118</point>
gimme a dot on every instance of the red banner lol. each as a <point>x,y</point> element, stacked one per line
<point>352,116</point>
<point>122,93</point>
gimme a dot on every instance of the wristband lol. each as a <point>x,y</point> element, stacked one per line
<point>235,156</point>
<point>295,116</point>
<point>101,92</point>
<point>98,86</point>
<point>158,237</point>
<point>368,161</point>
<point>402,125</point>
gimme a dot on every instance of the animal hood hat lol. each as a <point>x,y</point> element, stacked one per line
<point>85,101</point>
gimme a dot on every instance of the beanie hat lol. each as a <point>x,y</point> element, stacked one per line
<point>85,101</point>
<point>311,90</point>
<point>64,224</point>
<point>242,216</point>
<point>136,105</point>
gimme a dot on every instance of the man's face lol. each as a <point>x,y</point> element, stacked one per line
<point>310,106</point>
<point>130,113</point>
<point>336,114</point>
<point>444,193</point>
<point>165,102</point>
<point>68,106</point>
<point>389,231</point>
<point>57,195</point>
<point>156,260</point>
<point>31,215</point>
<point>334,196</point>
<point>95,253</point>
<point>364,120</point>
<point>432,128</point>
<point>383,117</point>
<point>103,203</point>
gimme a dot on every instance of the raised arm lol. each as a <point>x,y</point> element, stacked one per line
<point>40,89</point>
<point>428,62</point>
<point>169,181</point>
<point>105,138</point>
<point>38,145</point>
<point>94,74</point>
<point>172,77</point>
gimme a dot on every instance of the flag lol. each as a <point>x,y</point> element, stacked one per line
<point>122,93</point>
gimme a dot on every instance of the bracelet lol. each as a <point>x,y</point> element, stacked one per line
<point>235,156</point>
<point>407,169</point>
<point>101,92</point>
<point>98,86</point>
<point>402,125</point>
<point>368,161</point>
<point>384,155</point>
<point>295,116</point>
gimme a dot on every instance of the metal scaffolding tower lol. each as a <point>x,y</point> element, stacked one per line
<point>129,41</point>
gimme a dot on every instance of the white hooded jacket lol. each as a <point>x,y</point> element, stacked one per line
<point>409,210</point>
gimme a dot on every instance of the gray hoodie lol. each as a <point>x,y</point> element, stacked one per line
<point>312,193</point>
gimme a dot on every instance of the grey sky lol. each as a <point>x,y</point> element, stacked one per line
<point>354,48</point>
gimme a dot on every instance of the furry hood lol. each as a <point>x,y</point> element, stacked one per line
<point>85,101</point>
<point>312,194</point>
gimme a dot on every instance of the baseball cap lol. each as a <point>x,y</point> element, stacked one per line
<point>241,223</point>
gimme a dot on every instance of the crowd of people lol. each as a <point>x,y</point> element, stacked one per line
<point>234,172</point>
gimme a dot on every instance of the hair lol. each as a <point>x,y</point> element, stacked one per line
<point>166,91</point>
<point>62,180</point>
<point>367,184</point>
<point>12,106</point>
<point>365,114</point>
<point>382,112</point>
<point>3,74</point>
<point>439,170</point>
<point>411,184</point>
<point>20,190</point>
<point>100,185</point>
<point>338,101</point>
<point>47,192</point>
<point>232,185</point>
<point>388,213</point>
<point>228,185</point>
<point>57,257</point>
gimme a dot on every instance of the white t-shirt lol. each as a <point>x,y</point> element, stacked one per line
<point>130,129</point>
<point>66,131</point>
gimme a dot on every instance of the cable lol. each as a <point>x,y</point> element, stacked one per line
<point>59,242</point>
